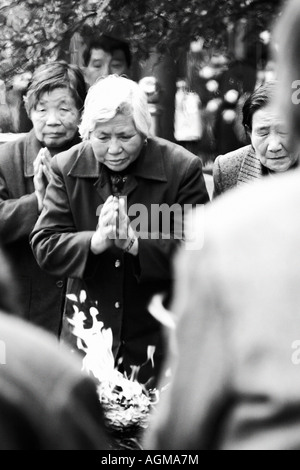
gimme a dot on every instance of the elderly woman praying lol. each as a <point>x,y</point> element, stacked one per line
<point>89,230</point>
<point>54,102</point>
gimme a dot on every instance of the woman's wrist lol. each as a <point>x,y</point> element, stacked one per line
<point>39,201</point>
<point>98,244</point>
<point>132,245</point>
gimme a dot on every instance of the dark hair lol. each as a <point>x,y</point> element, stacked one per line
<point>261,97</point>
<point>101,43</point>
<point>107,44</point>
<point>52,75</point>
<point>117,44</point>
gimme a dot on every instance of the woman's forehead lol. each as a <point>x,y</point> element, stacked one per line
<point>267,116</point>
<point>56,95</point>
<point>119,123</point>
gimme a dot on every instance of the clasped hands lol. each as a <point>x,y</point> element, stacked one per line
<point>41,167</point>
<point>114,228</point>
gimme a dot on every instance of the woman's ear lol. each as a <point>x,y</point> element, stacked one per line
<point>247,133</point>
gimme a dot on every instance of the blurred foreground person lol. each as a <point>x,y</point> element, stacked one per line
<point>270,151</point>
<point>46,402</point>
<point>234,383</point>
<point>54,101</point>
<point>286,51</point>
<point>236,376</point>
<point>112,217</point>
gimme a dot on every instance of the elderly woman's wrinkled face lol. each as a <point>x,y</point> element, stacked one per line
<point>116,143</point>
<point>55,119</point>
<point>271,140</point>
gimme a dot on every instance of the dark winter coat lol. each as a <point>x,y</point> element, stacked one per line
<point>40,295</point>
<point>121,283</point>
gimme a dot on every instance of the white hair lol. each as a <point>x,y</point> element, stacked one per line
<point>113,95</point>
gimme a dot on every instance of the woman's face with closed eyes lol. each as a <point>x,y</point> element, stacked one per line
<point>271,140</point>
<point>116,143</point>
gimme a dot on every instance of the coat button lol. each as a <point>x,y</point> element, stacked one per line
<point>117,305</point>
<point>117,263</point>
<point>60,284</point>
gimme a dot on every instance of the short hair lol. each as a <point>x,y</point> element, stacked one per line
<point>261,97</point>
<point>58,74</point>
<point>101,43</point>
<point>114,95</point>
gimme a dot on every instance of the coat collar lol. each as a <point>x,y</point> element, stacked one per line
<point>251,167</point>
<point>149,164</point>
<point>32,148</point>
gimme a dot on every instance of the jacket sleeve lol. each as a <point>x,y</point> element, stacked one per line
<point>155,254</point>
<point>17,216</point>
<point>57,246</point>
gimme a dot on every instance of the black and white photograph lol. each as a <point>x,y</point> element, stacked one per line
<point>149,227</point>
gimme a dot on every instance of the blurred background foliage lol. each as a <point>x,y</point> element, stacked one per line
<point>33,31</point>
